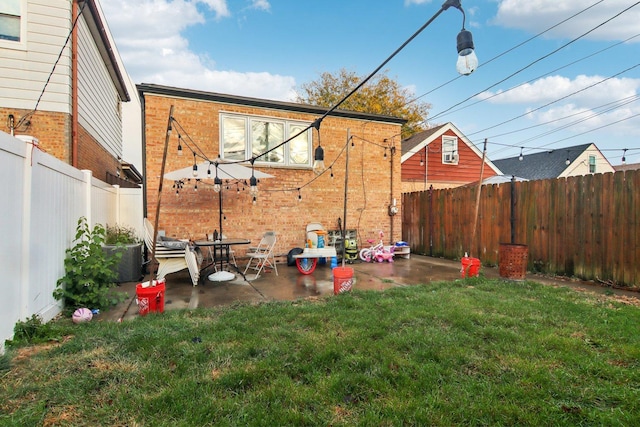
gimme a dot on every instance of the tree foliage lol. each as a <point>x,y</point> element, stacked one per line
<point>380,95</point>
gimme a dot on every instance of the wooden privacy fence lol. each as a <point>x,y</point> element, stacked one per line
<point>585,226</point>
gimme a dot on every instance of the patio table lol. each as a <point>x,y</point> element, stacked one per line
<point>221,250</point>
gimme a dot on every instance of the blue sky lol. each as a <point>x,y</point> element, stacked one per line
<point>577,82</point>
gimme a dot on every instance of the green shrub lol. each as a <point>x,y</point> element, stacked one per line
<point>90,272</point>
<point>119,234</point>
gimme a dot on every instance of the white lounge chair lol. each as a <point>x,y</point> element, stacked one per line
<point>173,256</point>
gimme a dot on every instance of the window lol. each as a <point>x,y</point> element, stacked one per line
<point>450,150</point>
<point>592,164</point>
<point>243,137</point>
<point>10,15</point>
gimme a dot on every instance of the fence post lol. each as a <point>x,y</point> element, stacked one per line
<point>87,194</point>
<point>27,184</point>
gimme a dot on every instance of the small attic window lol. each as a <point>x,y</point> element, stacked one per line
<point>450,150</point>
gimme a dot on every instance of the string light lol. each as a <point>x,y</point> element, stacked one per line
<point>318,156</point>
<point>331,169</point>
<point>521,157</point>
<point>299,195</point>
<point>195,165</point>
<point>421,159</point>
<point>179,145</point>
<point>217,182</point>
<point>624,157</point>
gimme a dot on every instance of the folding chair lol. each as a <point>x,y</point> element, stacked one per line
<point>263,255</point>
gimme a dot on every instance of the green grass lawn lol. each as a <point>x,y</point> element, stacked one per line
<point>473,352</point>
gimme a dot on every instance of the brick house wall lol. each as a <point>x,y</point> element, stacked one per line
<point>191,214</point>
<point>52,129</point>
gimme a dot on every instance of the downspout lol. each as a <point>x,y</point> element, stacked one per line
<point>74,88</point>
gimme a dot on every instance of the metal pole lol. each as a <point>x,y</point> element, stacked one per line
<point>513,209</point>
<point>346,186</point>
<point>475,218</point>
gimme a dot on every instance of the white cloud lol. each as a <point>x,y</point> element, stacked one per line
<point>586,89</point>
<point>261,5</point>
<point>537,15</point>
<point>410,2</point>
<point>600,104</point>
<point>149,40</point>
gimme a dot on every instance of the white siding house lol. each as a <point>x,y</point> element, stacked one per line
<point>63,82</point>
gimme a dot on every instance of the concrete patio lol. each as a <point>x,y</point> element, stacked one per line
<point>289,284</point>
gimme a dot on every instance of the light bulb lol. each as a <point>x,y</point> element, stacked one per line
<point>217,184</point>
<point>467,59</point>
<point>253,186</point>
<point>318,160</point>
<point>254,200</point>
<point>195,170</point>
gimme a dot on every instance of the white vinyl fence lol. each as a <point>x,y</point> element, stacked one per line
<point>42,200</point>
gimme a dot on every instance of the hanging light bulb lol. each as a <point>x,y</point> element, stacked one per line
<point>331,169</point>
<point>567,162</point>
<point>421,160</point>
<point>254,200</point>
<point>195,166</point>
<point>521,157</point>
<point>624,157</point>
<point>467,59</point>
<point>385,152</point>
<point>299,196</point>
<point>253,186</point>
<point>195,187</point>
<point>318,160</point>
<point>217,184</point>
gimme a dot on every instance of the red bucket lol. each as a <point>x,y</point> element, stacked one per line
<point>470,267</point>
<point>150,298</point>
<point>342,279</point>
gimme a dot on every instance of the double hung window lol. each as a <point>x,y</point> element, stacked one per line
<point>11,20</point>
<point>449,150</point>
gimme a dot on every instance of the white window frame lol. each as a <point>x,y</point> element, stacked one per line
<point>22,43</point>
<point>592,164</point>
<point>450,150</point>
<point>287,125</point>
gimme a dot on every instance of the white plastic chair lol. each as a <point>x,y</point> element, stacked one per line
<point>263,255</point>
<point>171,260</point>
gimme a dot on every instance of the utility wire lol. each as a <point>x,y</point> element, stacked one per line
<point>55,64</point>
<point>509,50</point>
<point>537,60</point>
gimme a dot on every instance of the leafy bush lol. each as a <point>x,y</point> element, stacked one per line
<point>89,272</point>
<point>118,234</point>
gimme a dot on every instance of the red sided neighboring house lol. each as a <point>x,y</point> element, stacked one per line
<point>443,157</point>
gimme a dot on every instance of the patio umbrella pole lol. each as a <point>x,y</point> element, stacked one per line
<point>155,226</point>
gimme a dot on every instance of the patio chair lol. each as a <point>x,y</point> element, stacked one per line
<point>172,255</point>
<point>262,254</point>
